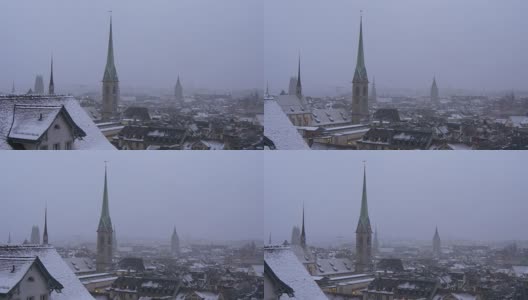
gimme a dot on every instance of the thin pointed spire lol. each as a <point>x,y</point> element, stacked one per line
<point>269,240</point>
<point>298,88</point>
<point>9,238</point>
<point>303,232</point>
<point>51,87</point>
<point>105,223</point>
<point>267,88</point>
<point>13,88</point>
<point>364,220</point>
<point>110,73</point>
<point>360,73</point>
<point>45,235</point>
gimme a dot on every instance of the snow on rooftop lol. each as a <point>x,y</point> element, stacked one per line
<point>94,139</point>
<point>56,266</point>
<point>12,270</point>
<point>279,129</point>
<point>287,267</point>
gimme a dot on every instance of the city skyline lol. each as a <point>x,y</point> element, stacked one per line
<point>140,206</point>
<point>163,40</point>
<point>404,204</point>
<point>464,46</point>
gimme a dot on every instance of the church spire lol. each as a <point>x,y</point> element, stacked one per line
<point>9,238</point>
<point>51,87</point>
<point>298,88</point>
<point>105,223</point>
<point>110,73</point>
<point>360,73</point>
<point>13,88</point>
<point>364,220</point>
<point>303,232</point>
<point>45,235</point>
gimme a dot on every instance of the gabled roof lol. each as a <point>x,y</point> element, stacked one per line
<point>93,139</point>
<point>14,269</point>
<point>31,122</point>
<point>50,258</point>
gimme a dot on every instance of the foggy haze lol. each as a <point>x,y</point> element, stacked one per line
<point>205,195</point>
<point>154,42</point>
<point>479,196</point>
<point>477,45</point>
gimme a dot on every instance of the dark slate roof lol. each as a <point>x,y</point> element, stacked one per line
<point>404,138</point>
<point>390,264</point>
<point>137,113</point>
<point>132,263</point>
<point>387,114</point>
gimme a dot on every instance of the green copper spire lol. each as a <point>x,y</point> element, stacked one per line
<point>110,73</point>
<point>105,222</point>
<point>364,220</point>
<point>361,71</point>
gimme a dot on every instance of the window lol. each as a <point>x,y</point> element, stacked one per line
<point>68,145</point>
<point>43,147</point>
<point>364,91</point>
<point>44,297</point>
<point>31,279</point>
<point>30,298</point>
<point>357,91</point>
<point>56,146</point>
<point>57,126</point>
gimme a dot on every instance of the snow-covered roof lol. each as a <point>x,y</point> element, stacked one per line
<point>288,269</point>
<point>50,258</point>
<point>279,129</point>
<point>13,270</point>
<point>94,139</point>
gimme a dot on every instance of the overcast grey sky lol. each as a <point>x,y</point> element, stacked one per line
<point>212,44</point>
<point>473,44</point>
<point>469,195</point>
<point>214,196</point>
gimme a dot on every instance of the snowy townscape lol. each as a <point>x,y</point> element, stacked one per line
<point>118,262</point>
<point>121,115</point>
<point>437,111</point>
<point>314,259</point>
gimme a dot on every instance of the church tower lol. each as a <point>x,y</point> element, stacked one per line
<point>110,82</point>
<point>51,87</point>
<point>104,235</point>
<point>373,94</point>
<point>360,84</point>
<point>175,243</point>
<point>178,91</point>
<point>436,244</point>
<point>364,233</point>
<point>434,91</point>
<point>303,232</point>
<point>45,235</point>
<point>298,87</point>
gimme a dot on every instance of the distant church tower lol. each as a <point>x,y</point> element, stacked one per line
<point>292,86</point>
<point>51,87</point>
<point>373,94</point>
<point>39,85</point>
<point>303,232</point>
<point>110,82</point>
<point>35,235</point>
<point>175,243</point>
<point>104,235</point>
<point>298,86</point>
<point>434,91</point>
<point>45,235</point>
<point>436,244</point>
<point>364,233</point>
<point>178,91</point>
<point>360,109</point>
